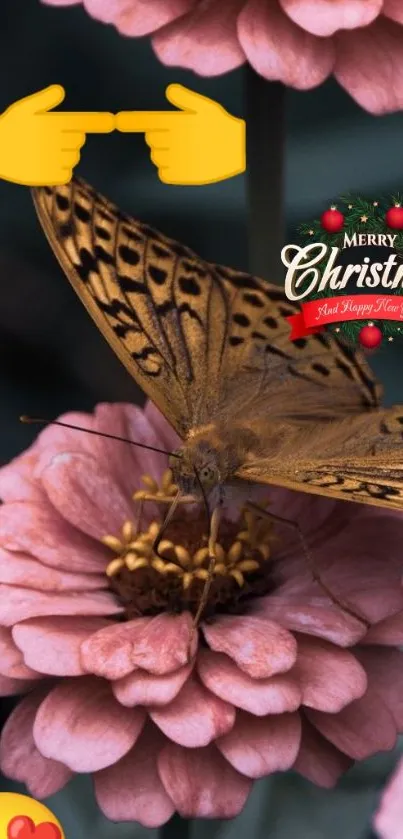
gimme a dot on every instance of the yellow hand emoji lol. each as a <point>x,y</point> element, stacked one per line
<point>38,148</point>
<point>200,144</point>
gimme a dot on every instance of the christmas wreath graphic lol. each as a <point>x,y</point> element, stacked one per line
<point>346,272</point>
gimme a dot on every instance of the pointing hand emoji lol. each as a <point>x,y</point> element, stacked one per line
<point>41,148</point>
<point>200,144</point>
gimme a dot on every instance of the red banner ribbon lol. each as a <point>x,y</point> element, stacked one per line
<point>317,313</point>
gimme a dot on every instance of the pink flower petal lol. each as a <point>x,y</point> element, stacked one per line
<point>271,42</point>
<point>204,40</point>
<point>195,717</point>
<point>21,569</point>
<point>393,9</point>
<point>39,530</point>
<point>201,783</point>
<point>82,724</point>
<point>131,790</point>
<point>264,696</point>
<point>53,645</point>
<point>83,493</point>
<point>325,17</point>
<point>312,616</point>
<point>17,482</point>
<point>19,757</point>
<point>257,747</point>
<point>258,646</point>
<point>138,18</point>
<point>376,84</point>
<point>388,632</point>
<point>14,687</point>
<point>18,604</point>
<point>389,817</point>
<point>385,675</point>
<point>142,688</point>
<point>318,760</point>
<point>360,730</point>
<point>61,2</point>
<point>11,659</point>
<point>330,678</point>
<point>159,645</point>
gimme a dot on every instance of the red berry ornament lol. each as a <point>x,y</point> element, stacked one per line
<point>370,337</point>
<point>332,220</point>
<point>394,217</point>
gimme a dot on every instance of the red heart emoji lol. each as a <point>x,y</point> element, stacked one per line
<point>22,827</point>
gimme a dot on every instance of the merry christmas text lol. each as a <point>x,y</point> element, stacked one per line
<point>303,278</point>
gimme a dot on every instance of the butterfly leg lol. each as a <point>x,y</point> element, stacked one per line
<point>213,537</point>
<point>255,508</point>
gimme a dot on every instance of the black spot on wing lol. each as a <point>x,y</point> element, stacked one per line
<point>320,368</point>
<point>81,212</point>
<point>188,285</point>
<point>62,202</point>
<point>241,319</point>
<point>253,300</point>
<point>102,233</point>
<point>87,264</point>
<point>103,256</point>
<point>128,284</point>
<point>157,274</point>
<point>129,255</point>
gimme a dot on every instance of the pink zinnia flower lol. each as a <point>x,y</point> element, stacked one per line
<point>96,630</point>
<point>298,42</point>
<point>388,820</point>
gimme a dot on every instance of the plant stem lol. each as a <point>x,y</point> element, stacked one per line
<point>265,141</point>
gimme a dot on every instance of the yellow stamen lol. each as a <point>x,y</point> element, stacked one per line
<point>200,556</point>
<point>114,567</point>
<point>141,546</point>
<point>165,546</point>
<point>235,551</point>
<point>187,580</point>
<point>219,552</point>
<point>127,531</point>
<point>201,574</point>
<point>171,568</point>
<point>183,555</point>
<point>134,562</point>
<point>166,480</point>
<point>140,495</point>
<point>238,576</point>
<point>248,565</point>
<point>113,542</point>
<point>158,564</point>
<point>153,530</point>
<point>221,569</point>
<point>150,483</point>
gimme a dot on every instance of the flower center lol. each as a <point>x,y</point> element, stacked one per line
<point>173,577</point>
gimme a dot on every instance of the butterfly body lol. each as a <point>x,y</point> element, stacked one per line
<point>210,346</point>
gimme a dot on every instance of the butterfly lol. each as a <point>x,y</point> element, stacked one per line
<point>210,346</point>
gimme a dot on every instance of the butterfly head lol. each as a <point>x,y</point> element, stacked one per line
<point>196,469</point>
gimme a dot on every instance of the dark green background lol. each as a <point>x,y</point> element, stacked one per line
<point>52,357</point>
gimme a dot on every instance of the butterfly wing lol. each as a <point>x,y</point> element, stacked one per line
<point>359,458</point>
<point>202,341</point>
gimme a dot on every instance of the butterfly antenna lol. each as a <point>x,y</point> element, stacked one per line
<point>42,421</point>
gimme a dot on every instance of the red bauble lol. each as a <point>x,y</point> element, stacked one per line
<point>394,217</point>
<point>370,337</point>
<point>332,220</point>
